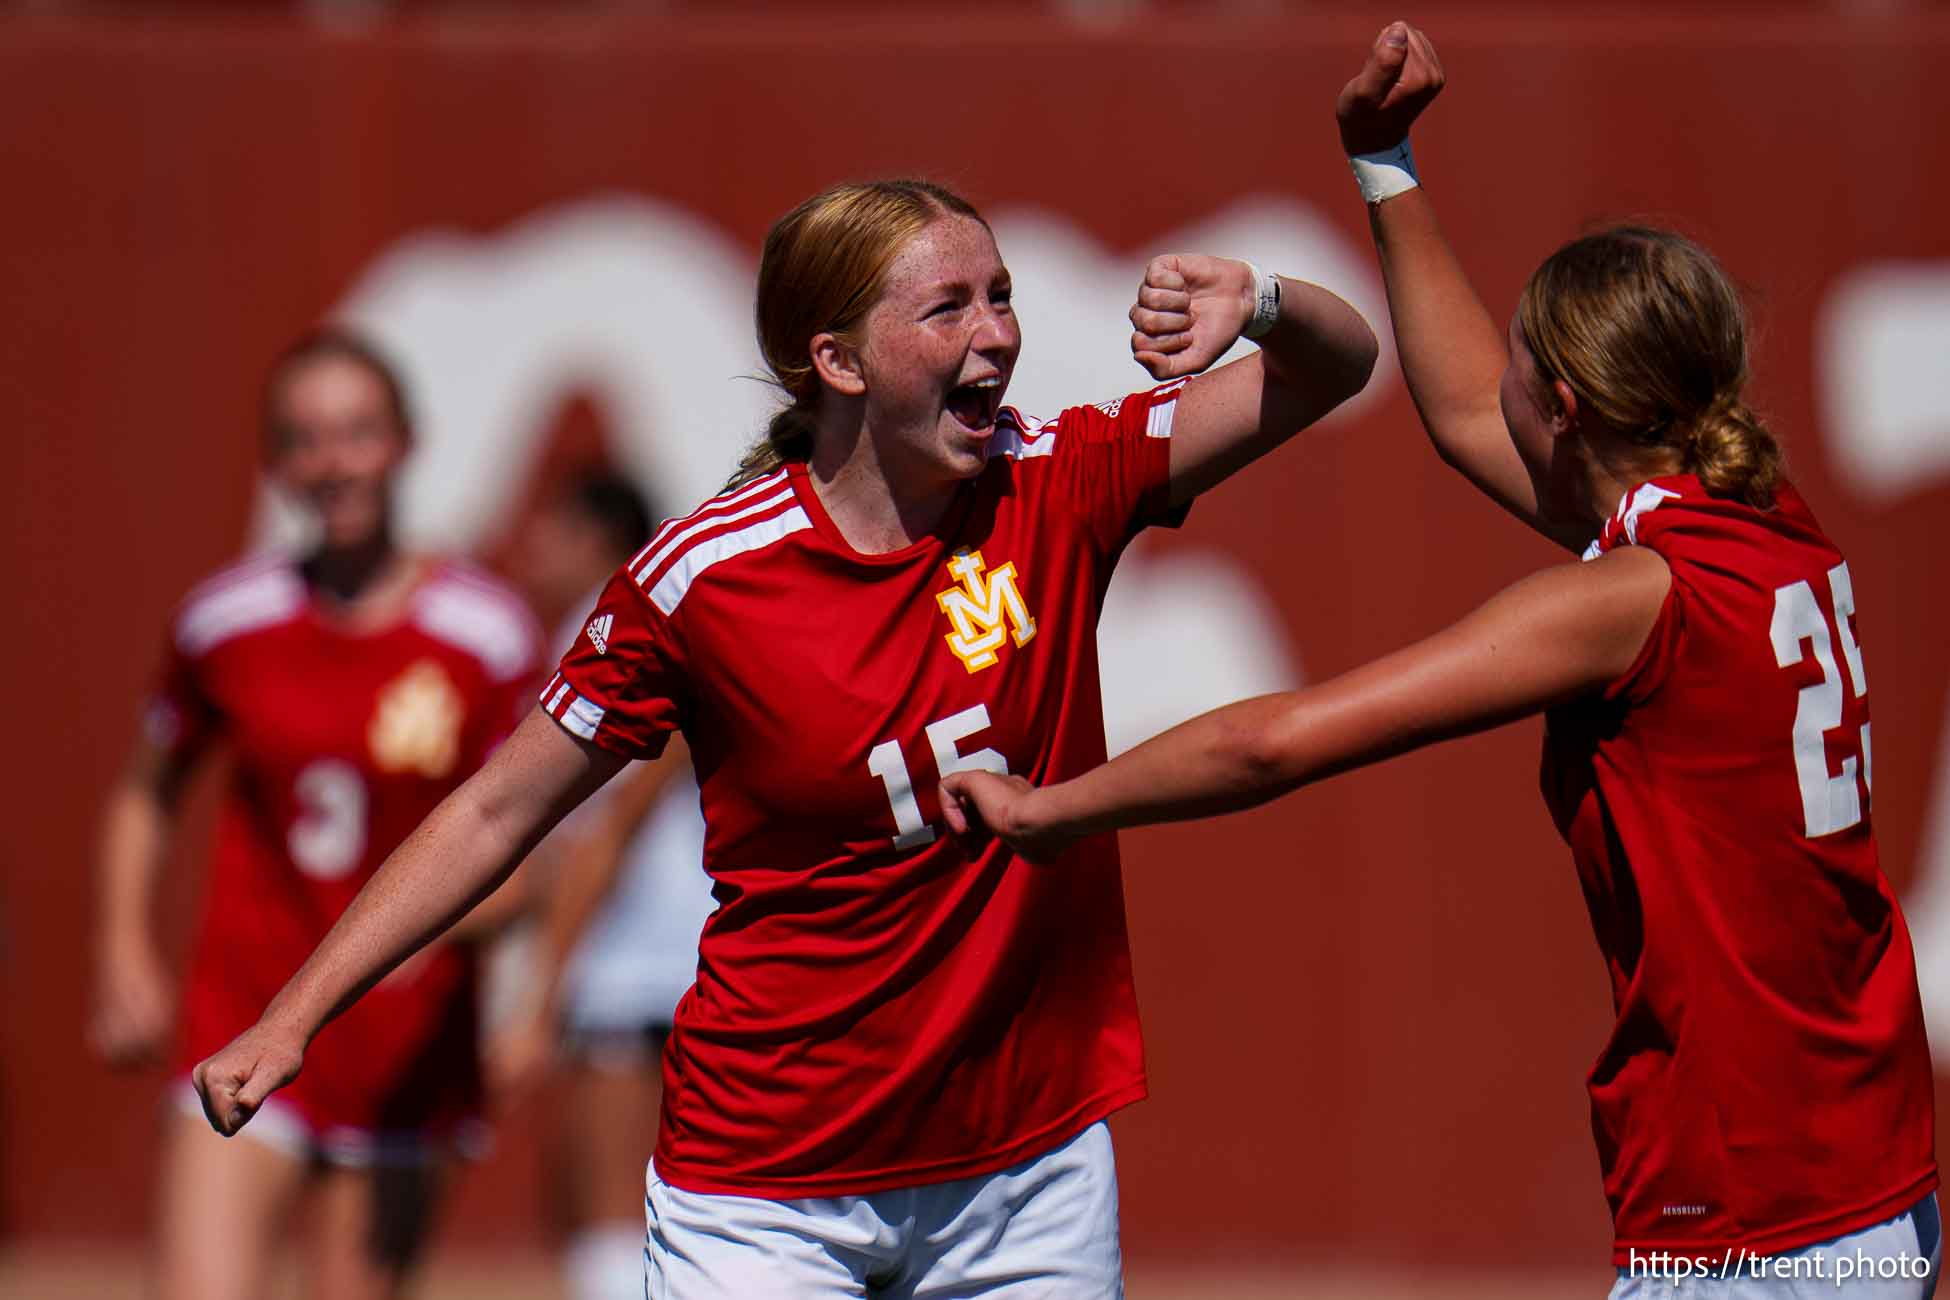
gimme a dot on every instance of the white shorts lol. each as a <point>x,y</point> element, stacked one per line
<point>1046,1228</point>
<point>282,1127</point>
<point>1896,1259</point>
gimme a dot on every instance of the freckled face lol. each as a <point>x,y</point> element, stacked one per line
<point>337,446</point>
<point>938,348</point>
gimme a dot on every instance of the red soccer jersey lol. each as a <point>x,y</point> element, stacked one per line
<point>343,742</point>
<point>873,1009</point>
<point>1768,1084</point>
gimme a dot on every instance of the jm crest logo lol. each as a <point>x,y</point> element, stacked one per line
<point>599,632</point>
<point>984,608</point>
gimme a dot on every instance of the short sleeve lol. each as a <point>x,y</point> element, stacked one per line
<point>1113,460</point>
<point>619,684</point>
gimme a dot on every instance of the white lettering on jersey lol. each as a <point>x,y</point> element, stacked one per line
<point>1829,800</point>
<point>599,632</point>
<point>984,610</point>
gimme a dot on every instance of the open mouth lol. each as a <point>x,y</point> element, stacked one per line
<point>975,405</point>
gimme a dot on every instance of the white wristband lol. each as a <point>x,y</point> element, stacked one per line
<point>1266,303</point>
<point>1385,174</point>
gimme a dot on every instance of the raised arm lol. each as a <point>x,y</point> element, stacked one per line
<point>460,853</point>
<point>1452,353</point>
<point>1553,636</point>
<point>1318,353</point>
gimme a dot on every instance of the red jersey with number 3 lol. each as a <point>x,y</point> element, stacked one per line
<point>342,742</point>
<point>874,1008</point>
<point>1768,1084</point>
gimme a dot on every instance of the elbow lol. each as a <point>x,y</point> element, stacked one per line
<point>1349,364</point>
<point>1356,352</point>
<point>1363,356</point>
<point>1260,758</point>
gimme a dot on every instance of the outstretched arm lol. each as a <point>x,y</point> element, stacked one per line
<point>1452,353</point>
<point>1551,637</point>
<point>460,853</point>
<point>1190,309</point>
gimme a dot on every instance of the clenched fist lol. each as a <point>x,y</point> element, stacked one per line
<point>1189,310</point>
<point>1401,76</point>
<point>234,1083</point>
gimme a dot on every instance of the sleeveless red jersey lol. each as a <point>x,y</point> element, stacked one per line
<point>342,742</point>
<point>1768,1084</point>
<point>874,1009</point>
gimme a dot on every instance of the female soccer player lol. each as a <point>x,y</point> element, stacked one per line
<point>1767,1091</point>
<point>355,688</point>
<point>892,1071</point>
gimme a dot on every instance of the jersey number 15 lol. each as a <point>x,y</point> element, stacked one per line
<point>886,762</point>
<point>1829,802</point>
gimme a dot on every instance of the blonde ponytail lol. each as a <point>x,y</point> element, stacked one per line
<point>1733,453</point>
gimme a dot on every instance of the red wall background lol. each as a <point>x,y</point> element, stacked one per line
<point>1369,1007</point>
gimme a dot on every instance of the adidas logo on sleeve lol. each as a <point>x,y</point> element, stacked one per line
<point>599,632</point>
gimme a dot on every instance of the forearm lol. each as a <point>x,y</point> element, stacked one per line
<point>1242,755</point>
<point>1249,753</point>
<point>1551,637</point>
<point>1318,354</point>
<point>1210,765</point>
<point>456,857</point>
<point>134,841</point>
<point>1320,347</point>
<point>1452,354</point>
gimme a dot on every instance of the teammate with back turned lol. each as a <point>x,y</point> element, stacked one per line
<point>891,1075</point>
<point>1763,1108</point>
<point>354,688</point>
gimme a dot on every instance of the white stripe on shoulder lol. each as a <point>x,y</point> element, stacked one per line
<point>670,589</point>
<point>244,570</point>
<point>582,718</point>
<point>1633,506</point>
<point>675,542</point>
<point>475,614</point>
<point>729,497</point>
<point>1642,502</point>
<point>1021,437</point>
<point>1164,409</point>
<point>242,599</point>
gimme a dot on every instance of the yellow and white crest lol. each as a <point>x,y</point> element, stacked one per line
<point>984,609</point>
<point>417,721</point>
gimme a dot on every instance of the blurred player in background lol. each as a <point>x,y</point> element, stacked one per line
<point>1767,1091</point>
<point>893,1072</point>
<point>619,921</point>
<point>354,687</point>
